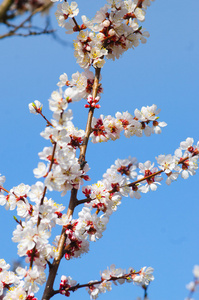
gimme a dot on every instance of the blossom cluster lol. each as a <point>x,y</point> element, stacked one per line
<point>62,172</point>
<point>11,281</point>
<point>108,276</point>
<point>114,29</point>
<point>125,178</point>
<point>79,87</point>
<point>32,238</point>
<point>109,128</point>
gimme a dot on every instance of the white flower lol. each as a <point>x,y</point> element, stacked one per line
<point>70,10</point>
<point>33,277</point>
<point>167,163</point>
<point>186,166</point>
<point>112,272</point>
<point>21,190</point>
<point>57,103</point>
<point>63,80</point>
<point>185,145</point>
<point>148,170</point>
<point>80,81</point>
<point>3,265</point>
<point>9,201</point>
<point>41,170</point>
<point>16,293</point>
<point>93,290</point>
<point>113,127</point>
<point>91,226</point>
<point>64,10</point>
<point>144,277</point>
<point>131,127</point>
<point>126,167</point>
<point>36,191</point>
<point>148,113</point>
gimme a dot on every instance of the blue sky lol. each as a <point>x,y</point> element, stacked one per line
<point>160,229</point>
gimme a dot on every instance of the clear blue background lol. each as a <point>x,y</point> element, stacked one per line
<point>160,229</point>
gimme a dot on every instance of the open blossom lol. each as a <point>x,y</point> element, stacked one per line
<point>113,272</point>
<point>112,127</point>
<point>91,226</point>
<point>186,166</point>
<point>63,80</point>
<point>3,265</point>
<point>148,113</point>
<point>79,81</point>
<point>16,293</point>
<point>93,290</point>
<point>148,169</point>
<point>32,277</point>
<point>7,279</point>
<point>126,167</point>
<point>145,276</point>
<point>190,149</point>
<point>99,133</point>
<point>9,201</point>
<point>166,163</point>
<point>21,190</point>
<point>130,125</point>
<point>36,191</point>
<point>65,11</point>
<point>41,170</point>
<point>70,10</point>
<point>58,103</point>
<point>185,145</point>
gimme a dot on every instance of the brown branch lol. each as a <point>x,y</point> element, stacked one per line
<point>2,188</point>
<point>88,130</point>
<point>34,33</point>
<point>49,292</point>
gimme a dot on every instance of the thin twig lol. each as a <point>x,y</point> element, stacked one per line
<point>13,32</point>
<point>41,203</point>
<point>91,284</point>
